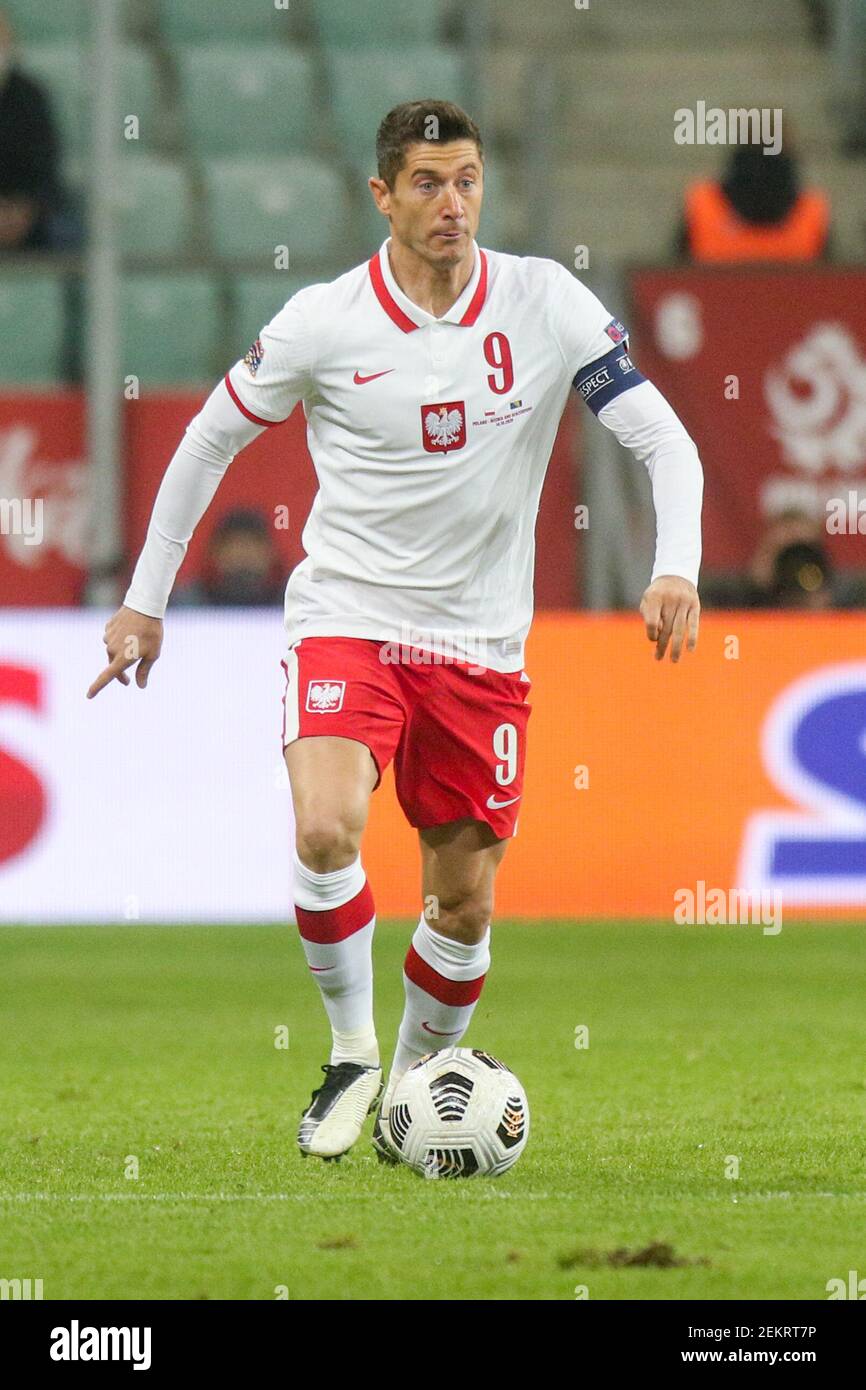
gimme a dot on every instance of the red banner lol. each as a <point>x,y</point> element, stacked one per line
<point>767,369</point>
<point>274,472</point>
<point>43,499</point>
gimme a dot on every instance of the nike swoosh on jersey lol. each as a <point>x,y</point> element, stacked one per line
<point>452,1034</point>
<point>495,805</point>
<point>362,380</point>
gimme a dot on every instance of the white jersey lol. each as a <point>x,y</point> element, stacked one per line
<point>430,440</point>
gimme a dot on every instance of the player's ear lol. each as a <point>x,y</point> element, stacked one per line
<point>381,193</point>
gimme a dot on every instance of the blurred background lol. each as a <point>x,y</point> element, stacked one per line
<point>171,171</point>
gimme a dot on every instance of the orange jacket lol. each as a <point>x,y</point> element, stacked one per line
<point>717,233</point>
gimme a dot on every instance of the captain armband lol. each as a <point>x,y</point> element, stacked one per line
<point>601,381</point>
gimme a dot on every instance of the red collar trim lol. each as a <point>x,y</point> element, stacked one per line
<point>476,303</point>
<point>403,321</point>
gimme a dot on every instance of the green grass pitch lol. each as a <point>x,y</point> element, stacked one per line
<point>706,1045</point>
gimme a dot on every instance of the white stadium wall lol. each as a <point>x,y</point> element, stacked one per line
<point>170,804</point>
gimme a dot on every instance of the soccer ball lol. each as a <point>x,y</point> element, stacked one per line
<point>458,1113</point>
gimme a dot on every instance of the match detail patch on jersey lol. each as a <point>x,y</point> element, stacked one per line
<point>325,697</point>
<point>253,358</point>
<point>443,426</point>
<point>616,331</point>
<point>602,381</point>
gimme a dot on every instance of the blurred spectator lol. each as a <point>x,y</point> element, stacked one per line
<point>33,211</point>
<point>789,569</point>
<point>802,577</point>
<point>793,526</point>
<point>756,212</point>
<point>242,566</point>
<point>820,23</point>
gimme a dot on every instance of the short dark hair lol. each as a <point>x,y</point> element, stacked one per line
<point>241,521</point>
<point>410,124</point>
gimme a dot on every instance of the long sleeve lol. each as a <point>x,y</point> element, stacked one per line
<point>211,441</point>
<point>646,424</point>
<point>595,349</point>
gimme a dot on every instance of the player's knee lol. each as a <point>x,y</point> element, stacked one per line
<point>325,844</point>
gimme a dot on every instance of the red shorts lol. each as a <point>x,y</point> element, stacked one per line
<point>458,739</point>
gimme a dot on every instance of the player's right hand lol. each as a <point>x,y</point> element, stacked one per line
<point>130,637</point>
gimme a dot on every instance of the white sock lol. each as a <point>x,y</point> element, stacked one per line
<point>336,918</point>
<point>442,979</point>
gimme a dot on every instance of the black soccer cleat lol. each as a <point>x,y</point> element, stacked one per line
<point>384,1152</point>
<point>332,1121</point>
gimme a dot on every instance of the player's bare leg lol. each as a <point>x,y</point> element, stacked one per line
<point>458,868</point>
<point>331,781</point>
<point>450,952</point>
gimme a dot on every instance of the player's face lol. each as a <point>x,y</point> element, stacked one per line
<point>435,204</point>
<point>242,551</point>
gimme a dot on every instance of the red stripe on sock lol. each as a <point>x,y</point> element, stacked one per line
<point>455,992</point>
<point>336,923</point>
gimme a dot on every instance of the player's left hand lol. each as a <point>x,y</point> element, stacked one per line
<point>671,610</point>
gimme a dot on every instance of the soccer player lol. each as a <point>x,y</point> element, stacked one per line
<point>433,379</point>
